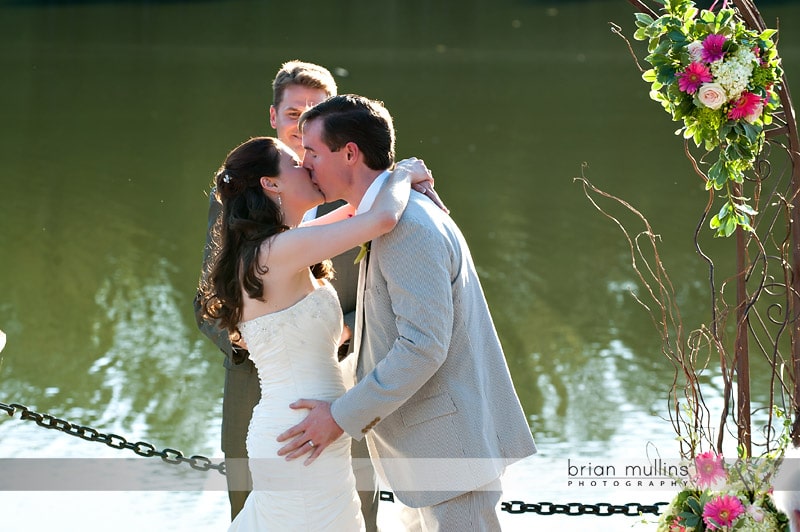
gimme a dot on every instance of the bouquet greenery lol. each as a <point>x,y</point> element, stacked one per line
<point>719,78</point>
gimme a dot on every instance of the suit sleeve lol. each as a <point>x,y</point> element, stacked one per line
<point>211,328</point>
<point>415,260</point>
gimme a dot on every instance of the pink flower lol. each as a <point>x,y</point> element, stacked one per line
<point>748,106</point>
<point>756,114</point>
<point>676,526</point>
<point>722,511</point>
<point>695,75</point>
<point>712,95</point>
<point>712,48</point>
<point>710,467</point>
<point>757,53</point>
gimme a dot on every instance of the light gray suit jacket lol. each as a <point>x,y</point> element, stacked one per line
<point>434,394</point>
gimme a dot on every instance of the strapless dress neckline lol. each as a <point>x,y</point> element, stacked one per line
<point>325,286</point>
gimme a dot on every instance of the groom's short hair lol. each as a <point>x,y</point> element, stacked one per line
<point>352,118</point>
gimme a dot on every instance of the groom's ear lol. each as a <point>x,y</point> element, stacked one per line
<point>351,152</point>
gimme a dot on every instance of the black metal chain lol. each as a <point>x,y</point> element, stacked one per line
<point>115,441</point>
<point>201,463</point>
<point>602,509</point>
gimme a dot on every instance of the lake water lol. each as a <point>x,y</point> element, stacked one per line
<point>117,113</point>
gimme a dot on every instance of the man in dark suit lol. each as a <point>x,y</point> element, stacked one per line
<point>296,87</point>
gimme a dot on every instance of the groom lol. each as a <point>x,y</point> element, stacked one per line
<point>434,397</point>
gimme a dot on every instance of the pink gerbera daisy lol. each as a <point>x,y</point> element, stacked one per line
<point>747,105</point>
<point>710,467</point>
<point>722,511</point>
<point>695,75</point>
<point>712,47</point>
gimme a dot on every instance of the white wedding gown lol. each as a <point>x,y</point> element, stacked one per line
<point>294,351</point>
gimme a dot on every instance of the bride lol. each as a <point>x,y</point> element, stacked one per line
<point>269,284</point>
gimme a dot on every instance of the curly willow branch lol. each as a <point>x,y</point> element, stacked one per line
<point>764,300</point>
<point>691,424</point>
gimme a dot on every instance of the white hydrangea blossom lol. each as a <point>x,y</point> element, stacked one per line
<point>746,523</point>
<point>734,72</point>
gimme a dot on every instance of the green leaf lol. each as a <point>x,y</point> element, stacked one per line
<point>643,19</point>
<point>746,209</point>
<point>649,75</point>
<point>728,227</point>
<point>735,174</point>
<point>767,34</point>
<point>694,504</point>
<point>718,174</point>
<point>689,519</point>
<point>751,131</point>
<point>659,59</point>
<point>708,16</point>
<point>665,74</point>
<point>744,222</point>
<point>677,37</point>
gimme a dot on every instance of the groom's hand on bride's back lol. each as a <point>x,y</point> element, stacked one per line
<point>312,435</point>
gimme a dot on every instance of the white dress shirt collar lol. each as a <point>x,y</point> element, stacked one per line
<point>310,214</point>
<point>372,192</point>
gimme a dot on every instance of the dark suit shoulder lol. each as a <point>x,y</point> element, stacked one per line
<point>325,208</point>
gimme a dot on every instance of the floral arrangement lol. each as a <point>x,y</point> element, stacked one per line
<point>718,73</point>
<point>720,498</point>
<point>728,497</point>
<point>719,78</point>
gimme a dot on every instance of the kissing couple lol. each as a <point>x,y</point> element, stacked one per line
<point>433,395</point>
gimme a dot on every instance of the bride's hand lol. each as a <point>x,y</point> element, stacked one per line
<point>422,179</point>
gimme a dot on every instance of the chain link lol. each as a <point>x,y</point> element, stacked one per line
<point>201,463</point>
<point>115,441</point>
<point>601,509</point>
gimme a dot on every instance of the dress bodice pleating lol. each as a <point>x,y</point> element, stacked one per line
<point>294,350</point>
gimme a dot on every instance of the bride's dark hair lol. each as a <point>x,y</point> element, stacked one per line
<point>249,216</point>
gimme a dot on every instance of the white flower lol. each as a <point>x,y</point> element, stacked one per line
<point>756,512</point>
<point>734,72</point>
<point>695,49</point>
<point>748,523</point>
<point>712,95</point>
